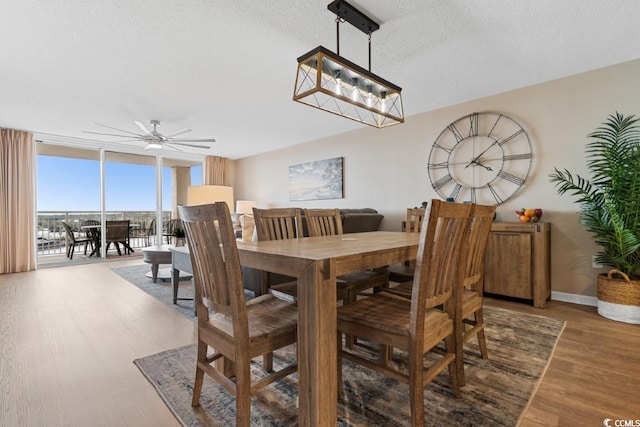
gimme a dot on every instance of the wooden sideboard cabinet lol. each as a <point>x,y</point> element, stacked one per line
<point>517,261</point>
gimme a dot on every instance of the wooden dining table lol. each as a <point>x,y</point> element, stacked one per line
<point>315,262</point>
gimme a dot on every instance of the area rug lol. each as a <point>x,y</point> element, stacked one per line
<point>497,391</point>
<point>163,289</point>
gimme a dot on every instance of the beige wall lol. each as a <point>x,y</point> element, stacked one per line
<point>386,169</point>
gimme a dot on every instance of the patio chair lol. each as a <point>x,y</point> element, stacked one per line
<point>170,228</point>
<point>74,240</point>
<point>147,232</point>
<point>118,232</point>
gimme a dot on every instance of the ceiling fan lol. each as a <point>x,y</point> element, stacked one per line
<point>154,139</point>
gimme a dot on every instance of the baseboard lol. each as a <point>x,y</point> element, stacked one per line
<point>574,298</point>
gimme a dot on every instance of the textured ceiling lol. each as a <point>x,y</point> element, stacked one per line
<point>226,69</point>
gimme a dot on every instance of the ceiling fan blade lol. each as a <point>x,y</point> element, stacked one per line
<point>178,132</point>
<point>112,134</point>
<point>188,145</point>
<point>142,127</point>
<point>173,147</point>
<point>111,127</point>
<point>172,140</point>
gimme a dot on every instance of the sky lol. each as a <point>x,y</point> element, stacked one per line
<point>72,185</point>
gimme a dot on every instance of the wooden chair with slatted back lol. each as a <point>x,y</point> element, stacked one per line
<point>470,290</point>
<point>404,272</point>
<point>237,330</point>
<point>419,324</point>
<point>328,222</point>
<point>471,321</point>
<point>278,224</point>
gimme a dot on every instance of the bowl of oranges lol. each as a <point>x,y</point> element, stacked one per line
<point>529,215</point>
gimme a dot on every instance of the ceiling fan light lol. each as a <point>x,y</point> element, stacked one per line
<point>153,145</point>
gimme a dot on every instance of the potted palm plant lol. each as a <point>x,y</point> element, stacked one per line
<point>610,210</point>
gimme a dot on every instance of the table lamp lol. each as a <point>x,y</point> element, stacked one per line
<point>245,207</point>
<point>206,194</point>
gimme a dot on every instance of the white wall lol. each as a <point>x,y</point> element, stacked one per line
<point>386,168</point>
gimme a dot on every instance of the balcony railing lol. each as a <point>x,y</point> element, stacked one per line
<point>52,239</point>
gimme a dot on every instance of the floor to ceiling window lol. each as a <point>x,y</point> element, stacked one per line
<point>70,190</point>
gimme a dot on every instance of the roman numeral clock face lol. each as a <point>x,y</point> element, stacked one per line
<point>482,158</point>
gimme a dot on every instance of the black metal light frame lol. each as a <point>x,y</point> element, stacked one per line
<point>327,81</point>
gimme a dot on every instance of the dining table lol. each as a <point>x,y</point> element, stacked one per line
<point>316,262</point>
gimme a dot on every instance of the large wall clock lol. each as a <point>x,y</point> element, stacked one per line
<point>482,158</point>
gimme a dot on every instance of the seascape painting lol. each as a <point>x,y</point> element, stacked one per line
<point>317,180</point>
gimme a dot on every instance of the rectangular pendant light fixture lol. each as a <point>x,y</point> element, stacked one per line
<point>327,81</point>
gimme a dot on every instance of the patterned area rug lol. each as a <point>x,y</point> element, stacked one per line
<point>497,391</point>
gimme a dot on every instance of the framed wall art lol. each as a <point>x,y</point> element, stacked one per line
<point>317,180</point>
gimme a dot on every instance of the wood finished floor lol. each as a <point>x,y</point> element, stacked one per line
<point>68,337</point>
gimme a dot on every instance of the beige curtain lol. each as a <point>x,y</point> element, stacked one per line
<point>17,204</point>
<point>216,171</point>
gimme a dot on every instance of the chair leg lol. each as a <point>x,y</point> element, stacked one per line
<point>243,394</point>
<point>349,339</point>
<point>482,341</point>
<point>457,375</point>
<point>458,347</point>
<point>416,389</point>
<point>197,385</point>
<point>267,362</point>
<point>385,354</point>
<point>339,371</point>
<point>72,250</point>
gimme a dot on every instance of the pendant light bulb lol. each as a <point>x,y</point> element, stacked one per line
<point>354,92</point>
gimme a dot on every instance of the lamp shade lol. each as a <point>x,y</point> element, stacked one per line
<point>245,207</point>
<point>205,194</point>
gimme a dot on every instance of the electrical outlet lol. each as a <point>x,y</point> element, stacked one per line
<point>594,263</point>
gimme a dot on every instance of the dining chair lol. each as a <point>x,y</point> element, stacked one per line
<point>74,240</point>
<point>237,330</point>
<point>421,323</point>
<point>278,224</point>
<point>470,289</point>
<point>404,272</point>
<point>471,320</point>
<point>328,222</point>
<point>117,232</point>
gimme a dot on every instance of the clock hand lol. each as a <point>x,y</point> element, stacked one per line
<point>475,159</point>
<point>477,163</point>
<point>486,167</point>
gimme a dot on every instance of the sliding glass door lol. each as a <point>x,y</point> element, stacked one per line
<point>84,187</point>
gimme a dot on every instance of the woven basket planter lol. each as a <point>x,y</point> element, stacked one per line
<point>619,298</point>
